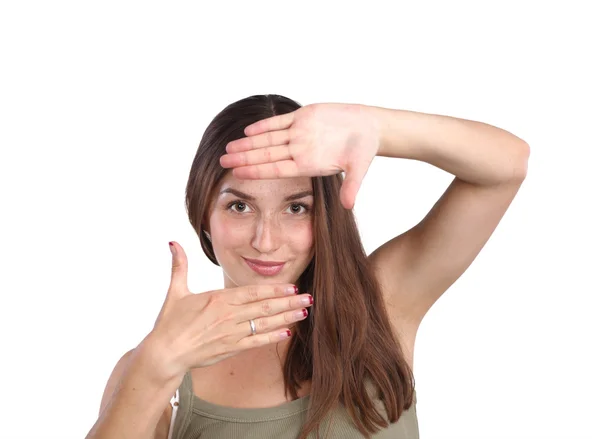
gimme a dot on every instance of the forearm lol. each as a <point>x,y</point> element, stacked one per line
<point>473,151</point>
<point>137,403</point>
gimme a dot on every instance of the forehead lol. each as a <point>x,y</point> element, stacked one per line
<point>277,188</point>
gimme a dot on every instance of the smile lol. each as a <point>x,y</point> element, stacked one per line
<point>265,268</point>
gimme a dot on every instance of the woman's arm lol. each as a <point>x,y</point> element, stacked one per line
<point>135,404</point>
<point>489,163</point>
<point>475,152</point>
<point>416,267</point>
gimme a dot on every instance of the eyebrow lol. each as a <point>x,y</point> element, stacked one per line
<point>251,198</point>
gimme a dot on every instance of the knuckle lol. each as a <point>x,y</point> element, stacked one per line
<point>217,305</point>
<point>266,308</point>
<point>275,170</point>
<point>262,325</point>
<point>214,300</point>
<point>253,293</point>
<point>289,317</point>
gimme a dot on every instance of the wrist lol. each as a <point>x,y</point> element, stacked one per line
<point>379,118</point>
<point>155,359</point>
<point>393,130</point>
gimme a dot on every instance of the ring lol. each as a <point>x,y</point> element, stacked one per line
<point>252,327</point>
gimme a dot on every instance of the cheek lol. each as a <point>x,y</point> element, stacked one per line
<point>228,232</point>
<point>300,236</point>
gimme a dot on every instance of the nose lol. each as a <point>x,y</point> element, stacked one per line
<point>266,237</point>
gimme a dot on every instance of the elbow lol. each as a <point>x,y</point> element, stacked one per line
<point>520,162</point>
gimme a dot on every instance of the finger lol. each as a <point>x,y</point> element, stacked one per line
<point>256,293</point>
<point>282,169</point>
<point>271,138</point>
<point>258,156</point>
<point>268,324</point>
<point>265,325</point>
<point>348,193</point>
<point>179,272</point>
<point>351,184</point>
<point>280,122</point>
<point>265,309</point>
<point>254,341</point>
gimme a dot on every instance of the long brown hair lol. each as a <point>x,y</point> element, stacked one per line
<point>347,337</point>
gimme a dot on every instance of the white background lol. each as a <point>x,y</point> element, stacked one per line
<point>102,108</point>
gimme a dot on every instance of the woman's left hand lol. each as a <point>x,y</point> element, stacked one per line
<point>315,140</point>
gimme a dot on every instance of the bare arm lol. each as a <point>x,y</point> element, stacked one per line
<point>191,331</point>
<point>489,164</point>
<point>135,404</point>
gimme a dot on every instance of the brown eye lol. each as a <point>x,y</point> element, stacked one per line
<point>238,206</point>
<point>297,208</point>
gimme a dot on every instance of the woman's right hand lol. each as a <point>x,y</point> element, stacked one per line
<point>197,330</point>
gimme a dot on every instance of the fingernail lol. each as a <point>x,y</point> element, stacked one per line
<point>301,314</point>
<point>285,334</point>
<point>308,300</point>
<point>172,248</point>
<point>291,290</point>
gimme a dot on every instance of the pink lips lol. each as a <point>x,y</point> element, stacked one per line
<point>265,268</point>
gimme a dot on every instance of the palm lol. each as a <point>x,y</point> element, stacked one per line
<point>315,140</point>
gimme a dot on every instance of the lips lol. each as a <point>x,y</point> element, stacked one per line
<point>265,268</point>
<point>265,263</point>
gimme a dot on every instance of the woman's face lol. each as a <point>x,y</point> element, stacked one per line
<point>265,220</point>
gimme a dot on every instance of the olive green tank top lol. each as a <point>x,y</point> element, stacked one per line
<point>196,418</point>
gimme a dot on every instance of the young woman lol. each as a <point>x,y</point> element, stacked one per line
<point>267,199</point>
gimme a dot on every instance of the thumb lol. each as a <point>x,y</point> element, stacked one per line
<point>179,272</point>
<point>351,185</point>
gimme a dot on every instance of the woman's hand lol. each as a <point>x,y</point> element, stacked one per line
<point>197,330</point>
<point>315,140</point>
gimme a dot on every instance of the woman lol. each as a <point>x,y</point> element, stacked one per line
<point>266,197</point>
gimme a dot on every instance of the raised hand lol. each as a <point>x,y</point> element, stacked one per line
<point>315,140</point>
<point>197,330</point>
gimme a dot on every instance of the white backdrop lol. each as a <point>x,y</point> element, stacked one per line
<point>102,108</point>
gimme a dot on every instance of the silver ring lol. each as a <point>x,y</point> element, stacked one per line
<point>252,327</point>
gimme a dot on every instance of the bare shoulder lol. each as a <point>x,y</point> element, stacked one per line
<point>162,428</point>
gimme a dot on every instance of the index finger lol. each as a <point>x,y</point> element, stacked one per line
<point>280,122</point>
<point>255,293</point>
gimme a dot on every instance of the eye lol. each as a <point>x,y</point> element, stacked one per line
<point>238,206</point>
<point>296,208</point>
